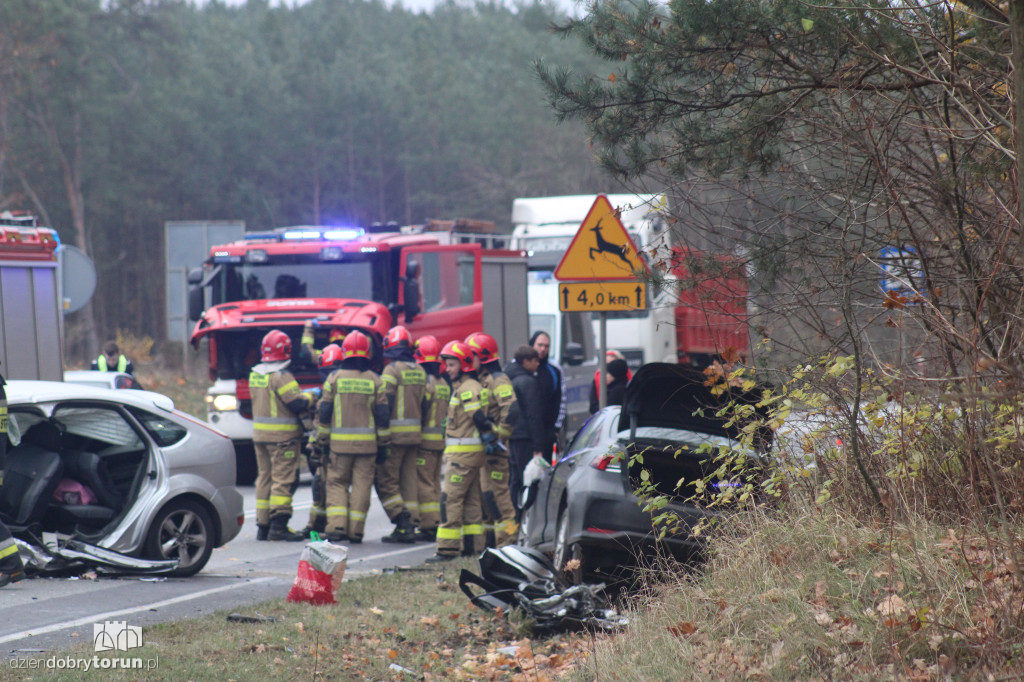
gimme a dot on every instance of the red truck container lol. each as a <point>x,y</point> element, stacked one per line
<point>711,316</point>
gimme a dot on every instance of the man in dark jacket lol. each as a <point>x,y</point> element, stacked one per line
<point>527,439</point>
<point>552,392</point>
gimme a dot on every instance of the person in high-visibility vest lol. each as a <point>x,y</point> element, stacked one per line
<point>404,383</point>
<point>467,432</point>
<point>112,360</point>
<point>427,353</point>
<point>352,428</point>
<point>11,568</point>
<point>328,360</point>
<point>277,407</point>
<point>499,512</point>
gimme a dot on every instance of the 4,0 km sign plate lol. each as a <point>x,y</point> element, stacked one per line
<point>602,296</point>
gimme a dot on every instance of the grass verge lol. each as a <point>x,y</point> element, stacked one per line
<point>817,595</point>
<point>408,625</point>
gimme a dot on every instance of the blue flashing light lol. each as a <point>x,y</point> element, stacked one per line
<point>344,233</point>
<point>301,234</point>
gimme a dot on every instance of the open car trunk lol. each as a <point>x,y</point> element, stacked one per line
<point>676,436</point>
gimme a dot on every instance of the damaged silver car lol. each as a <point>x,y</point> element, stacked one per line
<point>117,480</point>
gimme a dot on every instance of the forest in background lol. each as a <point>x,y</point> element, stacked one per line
<point>116,116</point>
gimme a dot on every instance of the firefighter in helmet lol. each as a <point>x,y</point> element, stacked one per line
<point>427,353</point>
<point>11,568</point>
<point>494,477</point>
<point>352,427</point>
<point>405,383</point>
<point>467,432</point>
<point>329,361</point>
<point>335,336</point>
<point>277,407</point>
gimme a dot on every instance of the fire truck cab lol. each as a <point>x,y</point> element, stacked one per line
<point>435,279</point>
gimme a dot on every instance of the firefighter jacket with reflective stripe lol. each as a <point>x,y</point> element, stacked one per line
<point>461,434</point>
<point>277,406</point>
<point>405,383</point>
<point>435,409</point>
<point>502,398</point>
<point>358,413</point>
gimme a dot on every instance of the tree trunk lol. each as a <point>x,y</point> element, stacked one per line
<point>1017,44</point>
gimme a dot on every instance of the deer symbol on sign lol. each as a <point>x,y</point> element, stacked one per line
<point>605,246</point>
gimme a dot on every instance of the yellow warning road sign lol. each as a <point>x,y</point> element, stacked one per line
<point>601,249</point>
<point>602,296</point>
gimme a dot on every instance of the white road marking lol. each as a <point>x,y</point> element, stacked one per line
<point>88,620</point>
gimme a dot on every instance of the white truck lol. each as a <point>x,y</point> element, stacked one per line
<point>545,226</point>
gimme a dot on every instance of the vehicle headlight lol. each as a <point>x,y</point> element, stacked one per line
<point>223,403</point>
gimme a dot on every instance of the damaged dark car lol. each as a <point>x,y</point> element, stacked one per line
<point>665,440</point>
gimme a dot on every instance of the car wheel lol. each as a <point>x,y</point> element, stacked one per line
<point>183,531</point>
<point>565,552</point>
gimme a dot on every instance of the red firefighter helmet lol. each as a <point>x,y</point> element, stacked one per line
<point>276,346</point>
<point>330,355</point>
<point>427,349</point>
<point>336,336</point>
<point>355,345</point>
<point>483,345</point>
<point>461,352</point>
<point>397,336</point>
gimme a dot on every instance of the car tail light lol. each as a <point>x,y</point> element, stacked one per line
<point>594,529</point>
<point>608,462</point>
<point>241,520</point>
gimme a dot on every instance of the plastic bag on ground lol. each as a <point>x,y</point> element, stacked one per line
<point>321,569</point>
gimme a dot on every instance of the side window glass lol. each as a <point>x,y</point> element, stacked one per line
<point>98,428</point>
<point>446,279</point>
<point>588,435</point>
<point>164,431</point>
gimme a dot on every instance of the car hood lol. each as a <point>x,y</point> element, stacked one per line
<point>669,396</point>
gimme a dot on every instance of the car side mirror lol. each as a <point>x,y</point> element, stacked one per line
<point>411,290</point>
<point>195,276</point>
<point>573,354</point>
<point>195,302</point>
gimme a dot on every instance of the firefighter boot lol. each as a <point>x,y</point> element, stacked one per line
<point>262,530</point>
<point>426,535</point>
<point>279,531</point>
<point>404,530</point>
<point>319,526</point>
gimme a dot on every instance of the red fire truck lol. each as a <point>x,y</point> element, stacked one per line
<point>31,332</point>
<point>437,279</point>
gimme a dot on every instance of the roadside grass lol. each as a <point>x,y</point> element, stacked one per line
<point>810,594</point>
<point>412,624</point>
<point>187,392</point>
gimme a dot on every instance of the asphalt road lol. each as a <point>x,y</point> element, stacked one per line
<point>48,614</point>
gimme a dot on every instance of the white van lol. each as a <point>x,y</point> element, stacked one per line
<point>545,226</point>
